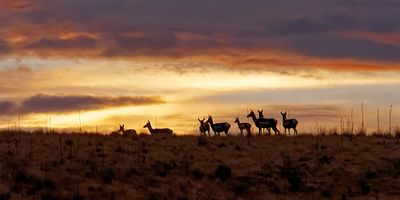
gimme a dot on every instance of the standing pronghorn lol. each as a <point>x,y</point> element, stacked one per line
<point>260,114</point>
<point>204,127</point>
<point>127,132</point>
<point>264,123</point>
<point>243,126</point>
<point>289,123</point>
<point>157,131</point>
<point>218,127</point>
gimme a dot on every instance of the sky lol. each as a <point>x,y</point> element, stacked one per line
<point>95,64</point>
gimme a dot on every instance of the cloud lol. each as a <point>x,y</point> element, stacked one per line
<point>71,103</point>
<point>4,47</point>
<point>81,42</point>
<point>7,107</point>
<point>205,30</point>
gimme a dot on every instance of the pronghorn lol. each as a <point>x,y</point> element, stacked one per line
<point>264,123</point>
<point>260,114</point>
<point>218,127</point>
<point>127,132</point>
<point>289,123</point>
<point>243,126</point>
<point>204,127</point>
<point>157,131</point>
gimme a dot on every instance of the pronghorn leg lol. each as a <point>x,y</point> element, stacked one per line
<point>289,131</point>
<point>295,131</point>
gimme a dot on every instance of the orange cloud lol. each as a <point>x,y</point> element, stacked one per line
<point>392,38</point>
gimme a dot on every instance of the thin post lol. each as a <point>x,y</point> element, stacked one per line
<point>341,125</point>
<point>352,121</point>
<point>362,116</point>
<point>80,124</point>
<point>379,129</point>
<point>390,120</point>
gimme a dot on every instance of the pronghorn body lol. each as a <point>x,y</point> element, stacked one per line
<point>218,127</point>
<point>264,123</point>
<point>243,126</point>
<point>289,123</point>
<point>204,127</point>
<point>157,131</point>
<point>127,132</point>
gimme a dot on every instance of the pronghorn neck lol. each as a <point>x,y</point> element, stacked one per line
<point>211,121</point>
<point>254,118</point>
<point>150,127</point>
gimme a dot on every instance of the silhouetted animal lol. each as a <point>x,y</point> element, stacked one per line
<point>264,123</point>
<point>260,114</point>
<point>157,131</point>
<point>289,123</point>
<point>243,126</point>
<point>127,132</point>
<point>204,127</point>
<point>218,127</point>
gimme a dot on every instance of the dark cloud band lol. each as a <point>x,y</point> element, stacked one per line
<point>60,104</point>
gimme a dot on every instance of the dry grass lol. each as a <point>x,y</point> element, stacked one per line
<point>90,166</point>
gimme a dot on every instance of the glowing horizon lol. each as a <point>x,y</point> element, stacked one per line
<point>119,63</point>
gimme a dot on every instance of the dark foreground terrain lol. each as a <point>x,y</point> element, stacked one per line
<point>89,166</point>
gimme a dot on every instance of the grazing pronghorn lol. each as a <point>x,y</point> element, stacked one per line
<point>218,127</point>
<point>289,123</point>
<point>204,127</point>
<point>264,123</point>
<point>157,131</point>
<point>127,132</point>
<point>243,126</point>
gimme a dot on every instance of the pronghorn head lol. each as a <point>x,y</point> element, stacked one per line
<point>201,120</point>
<point>251,114</point>
<point>210,119</point>
<point>121,127</point>
<point>260,113</point>
<point>147,125</point>
<point>236,120</point>
<point>283,115</point>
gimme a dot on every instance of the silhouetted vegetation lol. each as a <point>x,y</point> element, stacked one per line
<point>97,166</point>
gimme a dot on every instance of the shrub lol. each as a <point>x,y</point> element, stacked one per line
<point>365,187</point>
<point>197,174</point>
<point>107,175</point>
<point>223,172</point>
<point>161,168</point>
<point>294,179</point>
<point>78,197</point>
<point>239,189</point>
<point>202,141</point>
<point>5,196</point>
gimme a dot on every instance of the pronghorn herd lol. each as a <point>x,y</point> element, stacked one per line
<point>261,123</point>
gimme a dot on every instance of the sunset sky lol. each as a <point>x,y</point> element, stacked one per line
<point>104,62</point>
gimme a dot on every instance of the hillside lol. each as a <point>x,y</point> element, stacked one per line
<point>91,166</point>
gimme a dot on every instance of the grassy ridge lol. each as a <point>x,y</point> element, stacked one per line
<point>92,166</point>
